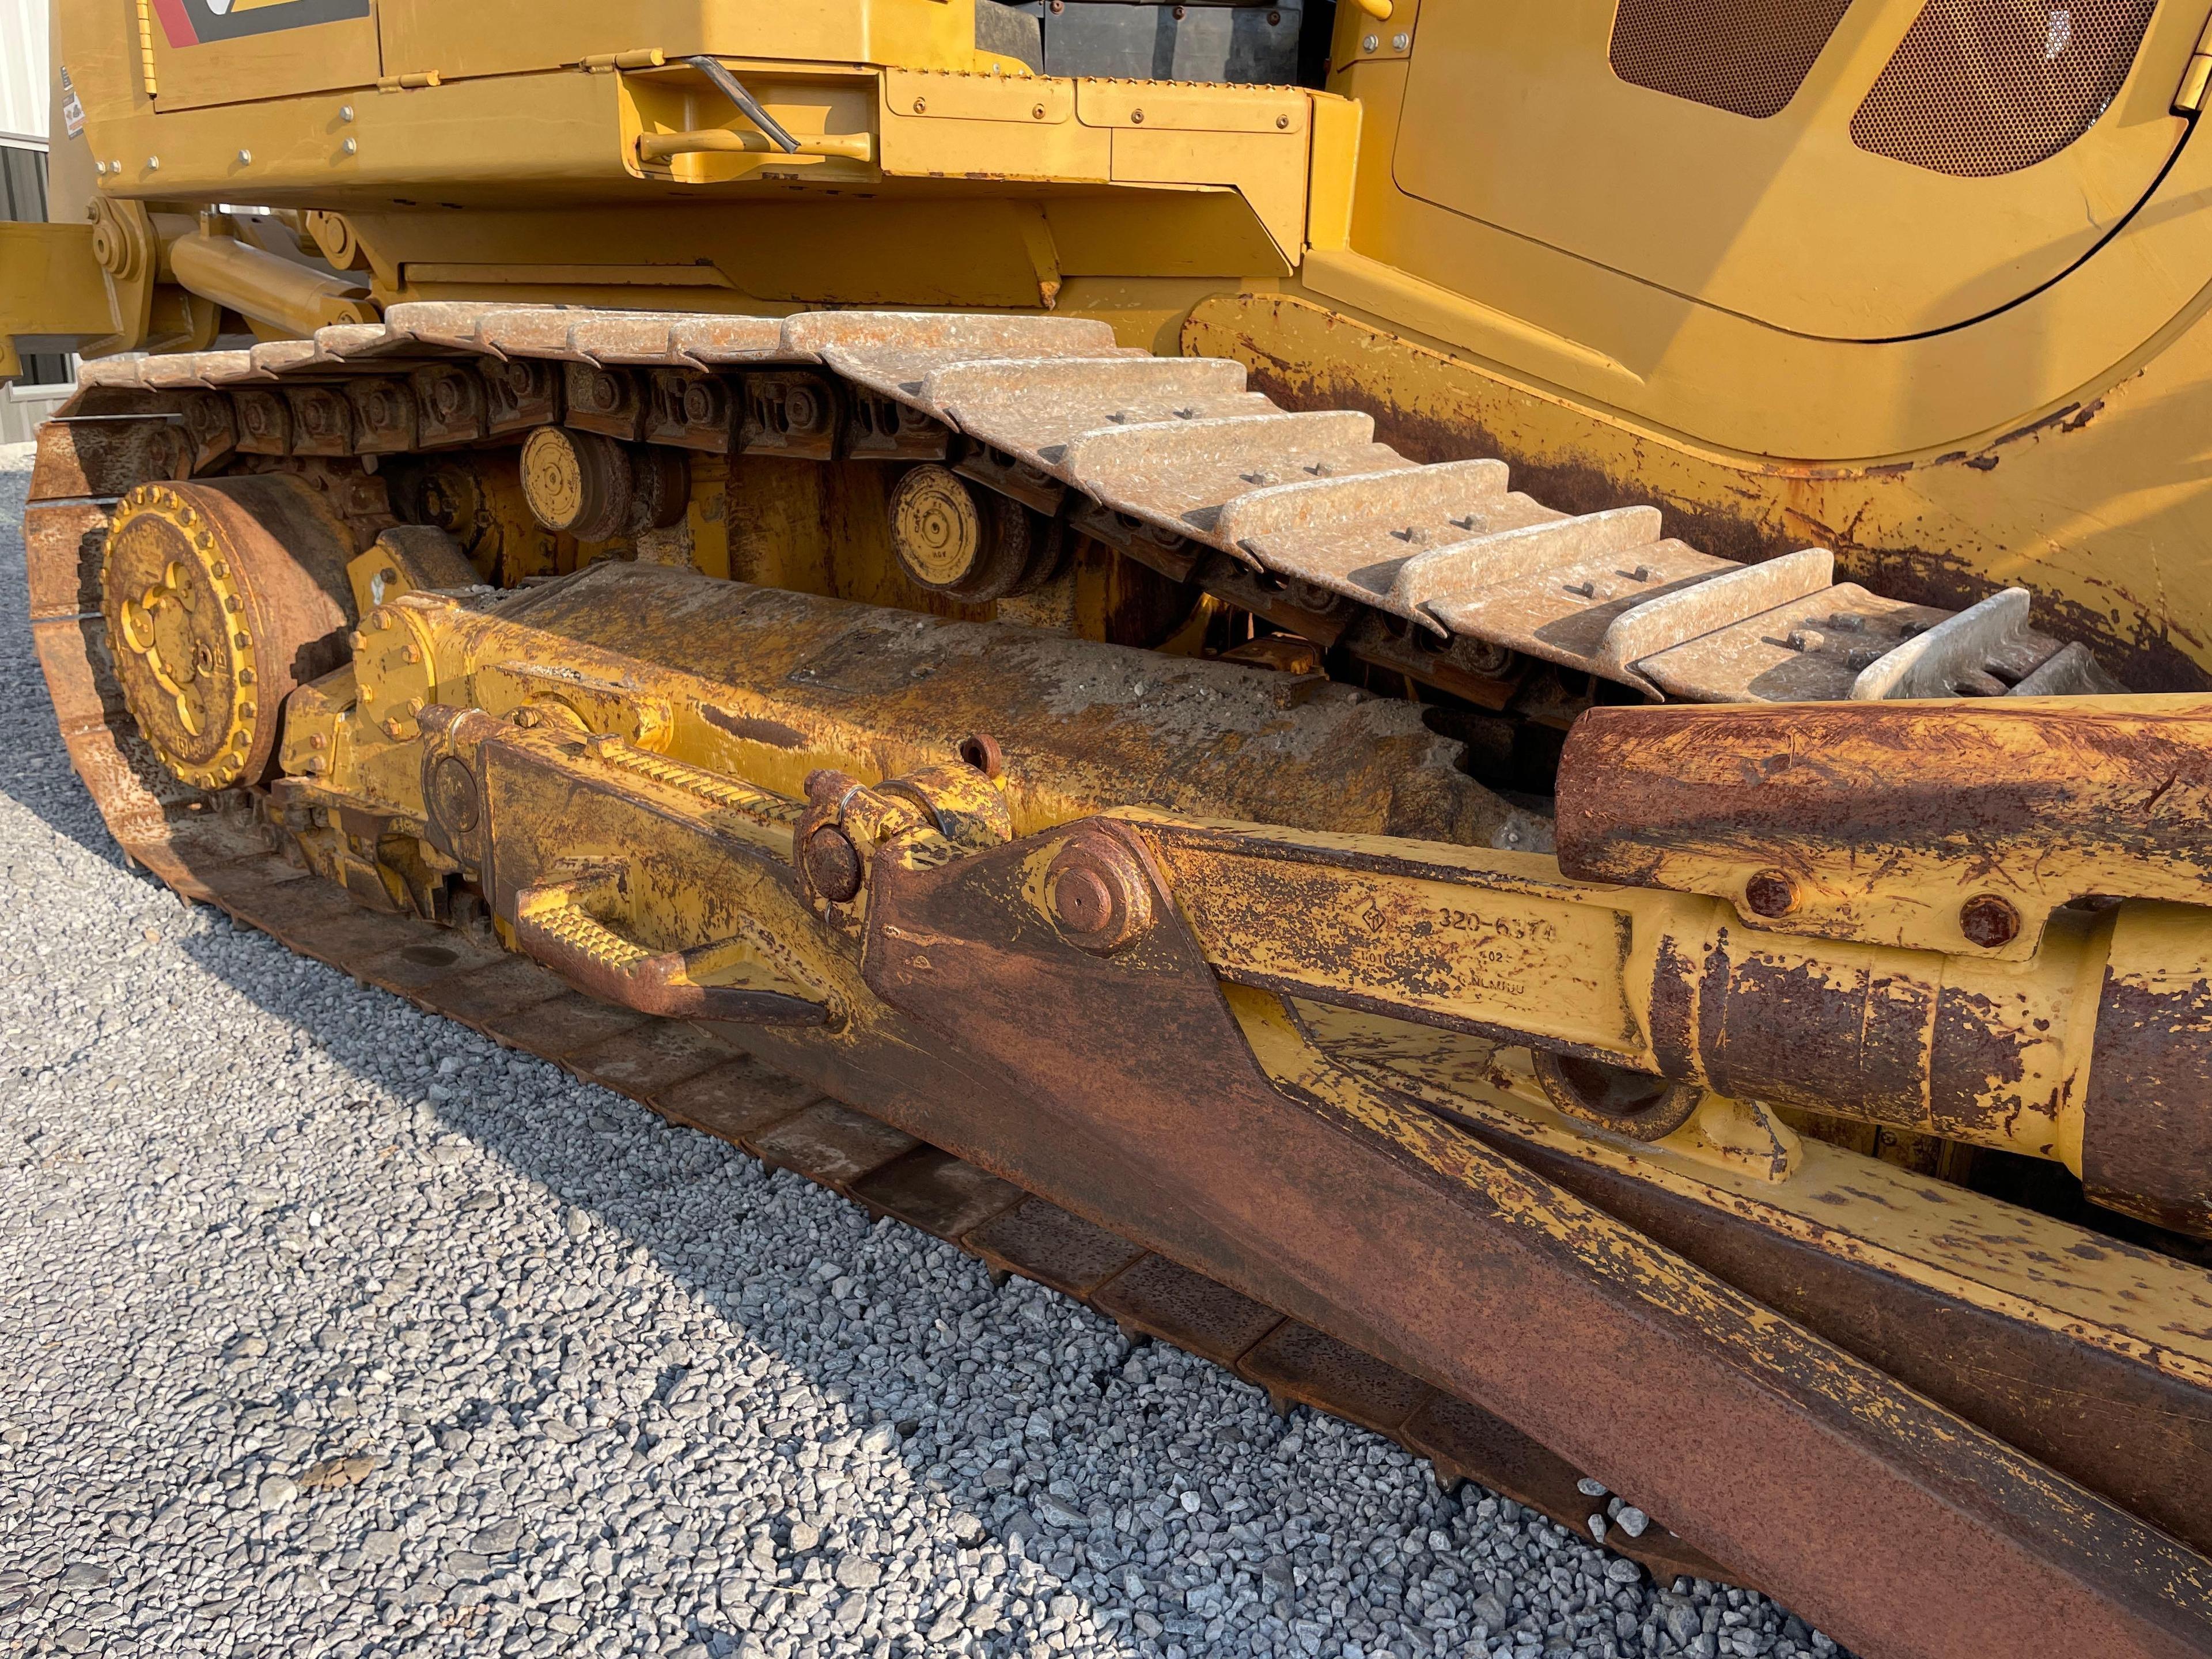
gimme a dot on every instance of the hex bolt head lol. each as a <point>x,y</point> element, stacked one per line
<point>1770,894</point>
<point>833,865</point>
<point>1100,895</point>
<point>1084,901</point>
<point>1988,922</point>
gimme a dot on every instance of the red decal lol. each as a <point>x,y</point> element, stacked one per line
<point>176,22</point>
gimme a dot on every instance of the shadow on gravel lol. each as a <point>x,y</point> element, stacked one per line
<point>635,1189</point>
<point>588,1148</point>
<point>630,1172</point>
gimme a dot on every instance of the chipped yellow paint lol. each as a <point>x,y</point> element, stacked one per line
<point>2140,1306</point>
<point>1617,1255</point>
<point>1497,942</point>
<point>1500,943</point>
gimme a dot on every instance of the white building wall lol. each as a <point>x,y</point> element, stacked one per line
<point>25,78</point>
<point>22,407</point>
<point>25,107</point>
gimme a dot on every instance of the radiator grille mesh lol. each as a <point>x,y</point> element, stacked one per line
<point>1748,56</point>
<point>1980,87</point>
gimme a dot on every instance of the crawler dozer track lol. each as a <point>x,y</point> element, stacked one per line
<point>1440,571</point>
<point>1287,1073</point>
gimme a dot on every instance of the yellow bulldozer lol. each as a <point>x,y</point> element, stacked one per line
<point>1500,709</point>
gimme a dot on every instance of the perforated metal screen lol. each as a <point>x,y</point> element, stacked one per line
<point>1980,87</point>
<point>1745,56</point>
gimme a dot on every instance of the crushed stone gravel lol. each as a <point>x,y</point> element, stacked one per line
<point>333,1329</point>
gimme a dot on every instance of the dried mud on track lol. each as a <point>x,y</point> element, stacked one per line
<point>330,1328</point>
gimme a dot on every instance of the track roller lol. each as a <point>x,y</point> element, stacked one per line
<point>974,544</point>
<point>595,489</point>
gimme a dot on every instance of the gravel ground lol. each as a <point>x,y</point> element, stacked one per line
<point>332,1328</point>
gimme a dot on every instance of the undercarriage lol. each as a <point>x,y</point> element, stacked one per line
<point>1579,1004</point>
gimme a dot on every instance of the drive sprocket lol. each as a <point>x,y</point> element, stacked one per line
<point>221,597</point>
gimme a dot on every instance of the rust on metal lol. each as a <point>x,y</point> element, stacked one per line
<point>409,965</point>
<point>2113,1416</point>
<point>1632,1103</point>
<point>71,539</point>
<point>1465,1441</point>
<point>1434,407</point>
<point>1988,920</point>
<point>1040,1241</point>
<point>1297,1365</point>
<point>939,1193</point>
<point>1082,725</point>
<point>831,863</point>
<point>1155,1297</point>
<point>507,986</point>
<point>562,1025</point>
<point>651,1060</point>
<point>1251,1154</point>
<point>2146,1146</point>
<point>561,935</point>
<point>1879,812</point>
<point>1771,894</point>
<point>107,457</point>
<point>736,1100</point>
<point>1100,893</point>
<point>983,751</point>
<point>831,1143</point>
<point>714,1086</point>
<point>1295,1182</point>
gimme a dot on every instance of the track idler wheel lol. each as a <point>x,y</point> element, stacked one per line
<point>970,544</point>
<point>221,597</point>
